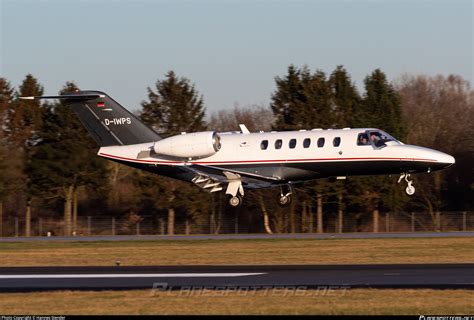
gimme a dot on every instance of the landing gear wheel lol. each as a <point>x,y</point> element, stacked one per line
<point>410,190</point>
<point>235,201</point>
<point>284,200</point>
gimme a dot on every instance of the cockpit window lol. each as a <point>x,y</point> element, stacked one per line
<point>379,138</point>
<point>363,139</point>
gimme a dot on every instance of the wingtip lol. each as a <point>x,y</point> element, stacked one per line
<point>27,98</point>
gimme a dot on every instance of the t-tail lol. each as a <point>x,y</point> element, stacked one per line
<point>107,121</point>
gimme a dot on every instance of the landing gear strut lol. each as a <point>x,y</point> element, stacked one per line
<point>285,196</point>
<point>410,189</point>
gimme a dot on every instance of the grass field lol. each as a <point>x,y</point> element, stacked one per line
<point>221,252</point>
<point>356,301</point>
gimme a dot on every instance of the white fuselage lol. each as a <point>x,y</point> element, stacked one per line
<point>246,148</point>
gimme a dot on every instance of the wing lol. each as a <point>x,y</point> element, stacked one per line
<point>224,175</point>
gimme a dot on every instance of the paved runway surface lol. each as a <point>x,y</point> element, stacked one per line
<point>252,277</point>
<point>250,236</point>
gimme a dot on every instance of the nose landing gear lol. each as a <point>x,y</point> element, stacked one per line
<point>285,197</point>
<point>410,189</point>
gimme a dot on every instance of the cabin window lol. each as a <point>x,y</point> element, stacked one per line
<point>320,142</point>
<point>363,139</point>
<point>278,144</point>
<point>264,145</point>
<point>306,142</point>
<point>336,142</point>
<point>292,143</point>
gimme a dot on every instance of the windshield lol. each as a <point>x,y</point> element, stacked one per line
<point>379,138</point>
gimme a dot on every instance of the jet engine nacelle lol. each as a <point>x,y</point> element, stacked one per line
<point>189,145</point>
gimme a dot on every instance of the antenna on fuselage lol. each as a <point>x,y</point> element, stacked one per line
<point>244,129</point>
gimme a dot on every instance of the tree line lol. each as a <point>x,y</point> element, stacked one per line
<point>49,167</point>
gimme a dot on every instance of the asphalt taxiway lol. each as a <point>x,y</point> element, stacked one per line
<point>439,276</point>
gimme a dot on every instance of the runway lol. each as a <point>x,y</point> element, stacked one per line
<point>358,235</point>
<point>438,276</point>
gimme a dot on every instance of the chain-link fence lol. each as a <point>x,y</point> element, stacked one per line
<point>233,223</point>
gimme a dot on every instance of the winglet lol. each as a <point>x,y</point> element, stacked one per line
<point>244,129</point>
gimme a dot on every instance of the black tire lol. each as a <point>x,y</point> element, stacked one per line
<point>235,202</point>
<point>284,201</point>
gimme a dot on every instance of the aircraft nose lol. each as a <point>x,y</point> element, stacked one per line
<point>445,159</point>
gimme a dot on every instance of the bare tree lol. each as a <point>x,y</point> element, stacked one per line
<point>255,118</point>
<point>439,112</point>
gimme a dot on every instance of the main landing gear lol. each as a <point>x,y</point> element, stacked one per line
<point>235,190</point>
<point>285,197</point>
<point>410,189</point>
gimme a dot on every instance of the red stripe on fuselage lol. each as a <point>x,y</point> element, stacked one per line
<point>261,161</point>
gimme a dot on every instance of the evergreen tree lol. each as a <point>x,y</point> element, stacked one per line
<point>175,107</point>
<point>346,99</point>
<point>345,105</point>
<point>289,100</point>
<point>23,120</point>
<point>64,159</point>
<point>318,113</point>
<point>6,95</point>
<point>381,106</point>
<point>24,117</point>
<point>302,100</point>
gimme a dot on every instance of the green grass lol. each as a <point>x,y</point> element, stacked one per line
<point>355,301</point>
<point>221,252</point>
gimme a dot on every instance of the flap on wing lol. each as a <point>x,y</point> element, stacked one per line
<point>217,171</point>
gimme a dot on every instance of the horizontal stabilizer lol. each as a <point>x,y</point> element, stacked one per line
<point>67,96</point>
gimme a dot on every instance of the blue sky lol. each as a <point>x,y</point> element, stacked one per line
<point>231,50</point>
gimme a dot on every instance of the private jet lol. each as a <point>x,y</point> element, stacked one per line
<point>240,160</point>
